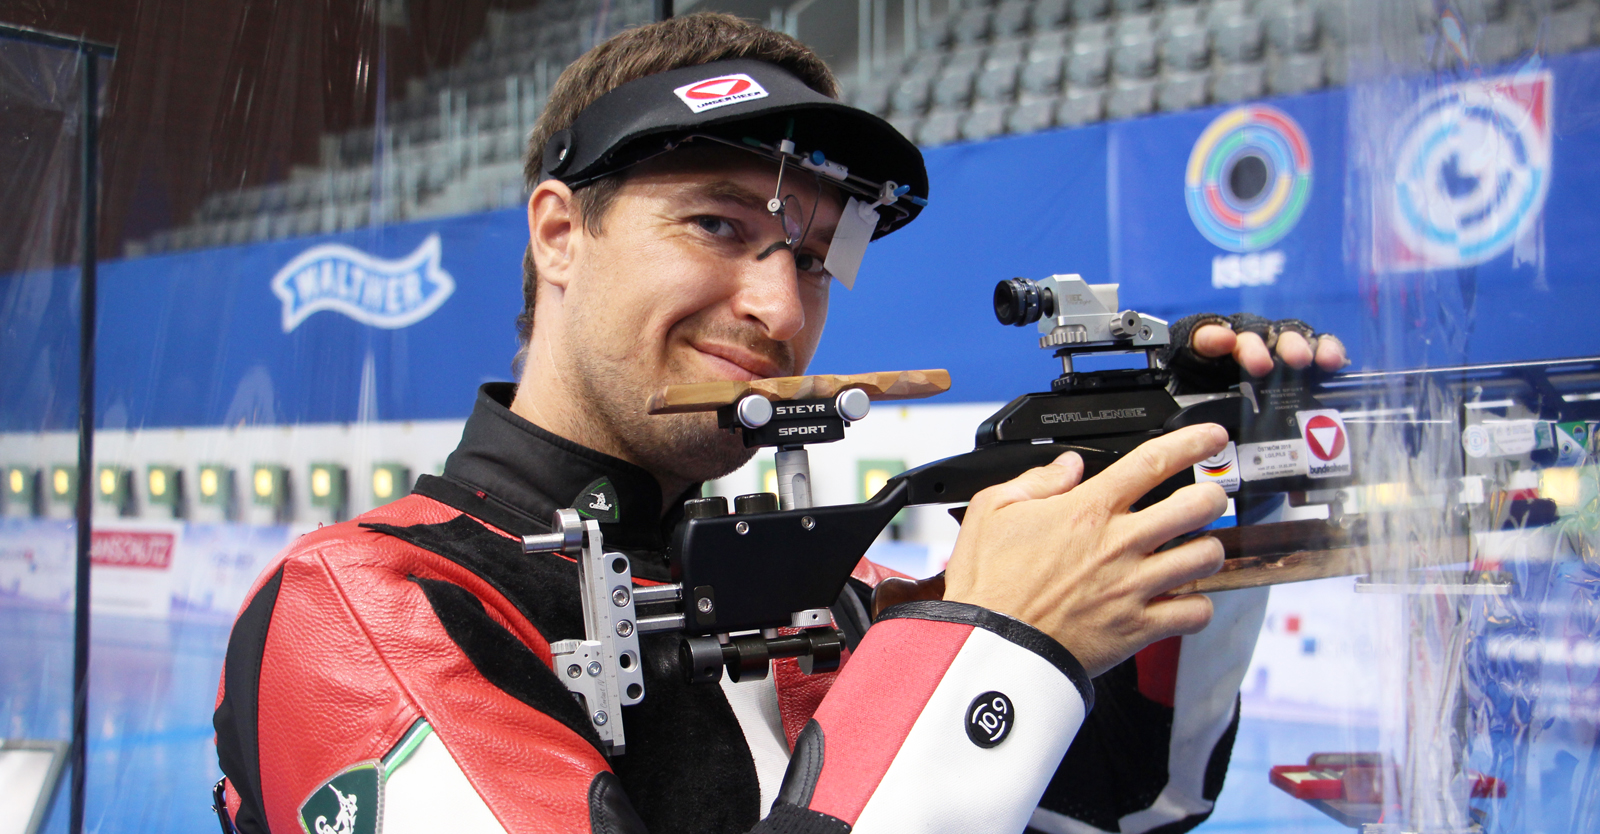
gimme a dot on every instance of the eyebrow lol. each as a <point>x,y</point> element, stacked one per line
<point>728,191</point>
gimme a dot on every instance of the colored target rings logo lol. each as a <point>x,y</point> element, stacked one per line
<point>1472,168</point>
<point>1249,178</point>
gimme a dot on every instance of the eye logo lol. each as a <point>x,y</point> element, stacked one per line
<point>1471,171</point>
<point>1249,178</point>
<point>374,291</point>
<point>720,91</point>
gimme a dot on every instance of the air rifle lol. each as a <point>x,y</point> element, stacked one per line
<point>756,583</point>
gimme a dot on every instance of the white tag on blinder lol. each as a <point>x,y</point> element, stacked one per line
<point>850,240</point>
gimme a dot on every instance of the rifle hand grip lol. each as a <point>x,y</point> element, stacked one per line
<point>895,590</point>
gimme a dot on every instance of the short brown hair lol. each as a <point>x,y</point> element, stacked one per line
<point>635,53</point>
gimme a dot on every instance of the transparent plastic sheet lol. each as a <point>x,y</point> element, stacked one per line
<point>1488,669</point>
<point>41,135</point>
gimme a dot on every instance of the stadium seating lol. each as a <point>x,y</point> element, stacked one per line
<point>985,68</point>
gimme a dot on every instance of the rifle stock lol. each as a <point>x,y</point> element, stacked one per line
<point>1264,554</point>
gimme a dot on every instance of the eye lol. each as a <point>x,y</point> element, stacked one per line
<point>715,225</point>
<point>810,265</point>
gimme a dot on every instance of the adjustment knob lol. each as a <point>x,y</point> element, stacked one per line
<point>754,411</point>
<point>1126,324</point>
<point>755,502</point>
<point>852,404</point>
<point>708,507</point>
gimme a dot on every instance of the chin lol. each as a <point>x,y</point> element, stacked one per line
<point>694,449</point>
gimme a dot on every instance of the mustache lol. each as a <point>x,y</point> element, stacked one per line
<point>780,354</point>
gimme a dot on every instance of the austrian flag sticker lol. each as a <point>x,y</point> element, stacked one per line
<point>716,92</point>
<point>1325,437</point>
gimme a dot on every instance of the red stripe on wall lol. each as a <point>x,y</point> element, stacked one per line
<point>874,703</point>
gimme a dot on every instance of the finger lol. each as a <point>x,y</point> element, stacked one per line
<point>1186,510</point>
<point>1213,340</point>
<point>1294,349</point>
<point>1195,559</point>
<point>1154,461</point>
<point>1059,476</point>
<point>1251,354</point>
<point>1188,614</point>
<point>1330,353</point>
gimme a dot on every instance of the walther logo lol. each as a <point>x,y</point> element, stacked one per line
<point>1087,416</point>
<point>373,291</point>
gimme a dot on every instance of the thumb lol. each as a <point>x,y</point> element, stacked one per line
<point>1059,476</point>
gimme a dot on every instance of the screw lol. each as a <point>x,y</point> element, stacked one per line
<point>624,628</point>
<point>808,522</point>
<point>573,671</point>
<point>742,527</point>
<point>704,605</point>
<point>619,597</point>
<point>594,669</point>
<point>600,718</point>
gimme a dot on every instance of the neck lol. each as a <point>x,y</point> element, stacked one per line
<point>546,398</point>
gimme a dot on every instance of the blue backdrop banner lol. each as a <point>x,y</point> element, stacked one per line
<point>1223,209</point>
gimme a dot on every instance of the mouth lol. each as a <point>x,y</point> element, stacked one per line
<point>731,362</point>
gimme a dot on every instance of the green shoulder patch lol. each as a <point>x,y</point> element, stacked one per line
<point>349,803</point>
<point>598,501</point>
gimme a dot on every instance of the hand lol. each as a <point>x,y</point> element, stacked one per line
<point>1213,341</point>
<point>1071,560</point>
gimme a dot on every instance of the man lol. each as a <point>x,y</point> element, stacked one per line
<point>395,670</point>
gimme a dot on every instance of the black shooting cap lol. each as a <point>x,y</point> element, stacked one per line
<point>738,101</point>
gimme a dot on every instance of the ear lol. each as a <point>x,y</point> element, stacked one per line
<point>552,231</point>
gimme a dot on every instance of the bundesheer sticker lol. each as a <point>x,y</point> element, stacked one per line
<point>1277,459</point>
<point>716,92</point>
<point>1221,468</point>
<point>1327,444</point>
<point>598,501</point>
<point>349,803</point>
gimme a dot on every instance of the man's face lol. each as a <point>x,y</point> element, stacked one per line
<point>683,285</point>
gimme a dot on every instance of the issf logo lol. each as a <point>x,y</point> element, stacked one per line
<point>1248,178</point>
<point>1471,171</point>
<point>389,294</point>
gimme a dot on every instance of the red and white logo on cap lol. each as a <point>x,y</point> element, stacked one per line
<point>1327,442</point>
<point>721,90</point>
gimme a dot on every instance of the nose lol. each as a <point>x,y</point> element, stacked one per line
<point>769,295</point>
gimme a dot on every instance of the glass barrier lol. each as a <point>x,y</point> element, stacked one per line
<point>49,92</point>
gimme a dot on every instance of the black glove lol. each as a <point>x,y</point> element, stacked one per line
<point>1196,374</point>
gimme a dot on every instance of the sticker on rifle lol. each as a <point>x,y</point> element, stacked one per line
<point>1572,443</point>
<point>1326,442</point>
<point>1475,440</point>
<point>1506,438</point>
<point>1277,459</point>
<point>1221,468</point>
